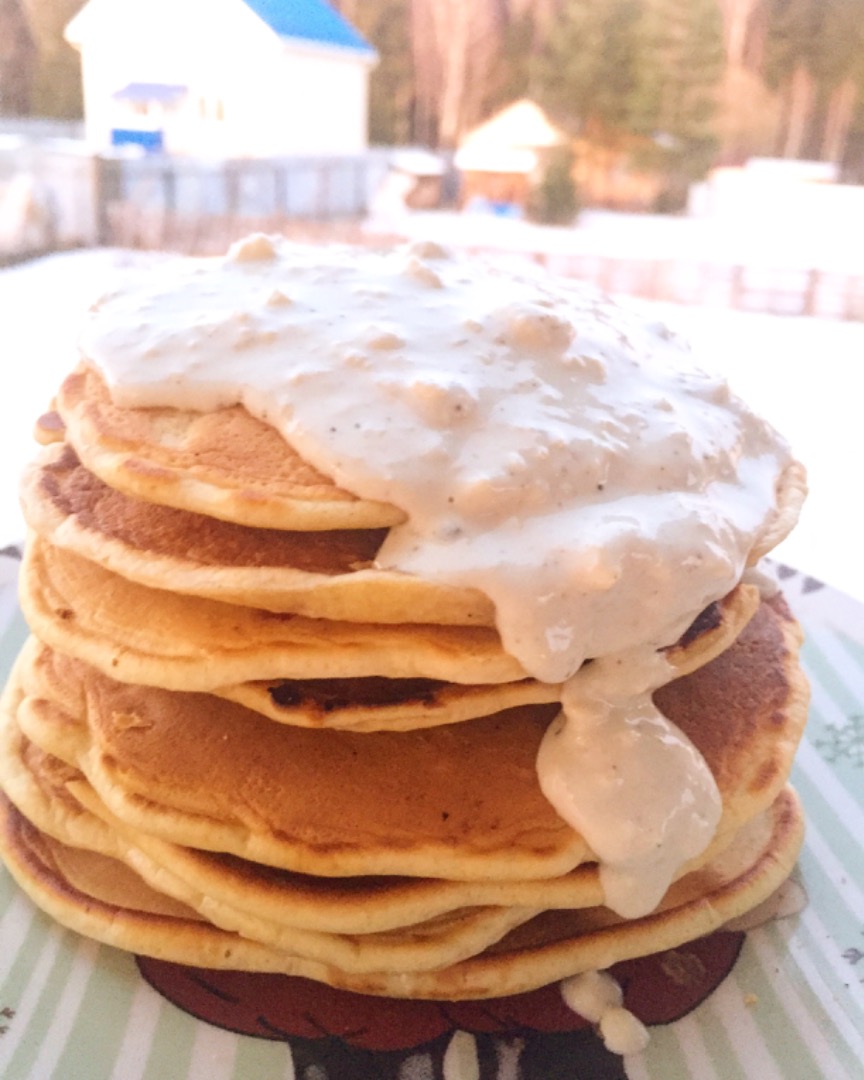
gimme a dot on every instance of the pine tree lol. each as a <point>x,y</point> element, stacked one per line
<point>676,101</point>
<point>587,72</point>
<point>638,77</point>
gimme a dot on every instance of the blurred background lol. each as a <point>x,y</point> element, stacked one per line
<point>703,159</point>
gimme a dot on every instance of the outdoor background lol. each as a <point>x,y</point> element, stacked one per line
<point>678,84</point>
<point>708,164</point>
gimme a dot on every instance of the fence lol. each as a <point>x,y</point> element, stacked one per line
<point>757,288</point>
<point>54,194</point>
<point>198,206</point>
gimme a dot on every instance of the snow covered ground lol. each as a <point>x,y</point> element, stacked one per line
<point>805,375</point>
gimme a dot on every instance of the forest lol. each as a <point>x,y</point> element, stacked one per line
<point>670,87</point>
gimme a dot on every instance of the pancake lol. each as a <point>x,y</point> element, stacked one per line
<point>326,574</point>
<point>225,464</point>
<point>41,792</point>
<point>154,637</point>
<point>39,785</point>
<point>58,799</point>
<point>557,736</point>
<point>103,899</point>
<point>330,802</point>
<point>382,704</point>
<point>376,704</point>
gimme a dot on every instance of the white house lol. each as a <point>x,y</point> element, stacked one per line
<point>229,78</point>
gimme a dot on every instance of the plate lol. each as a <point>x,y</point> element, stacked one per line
<point>783,1002</point>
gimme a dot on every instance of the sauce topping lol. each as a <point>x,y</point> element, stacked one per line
<point>548,448</point>
<point>599,998</point>
<point>628,779</point>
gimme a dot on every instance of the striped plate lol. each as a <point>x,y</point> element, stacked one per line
<point>792,1007</point>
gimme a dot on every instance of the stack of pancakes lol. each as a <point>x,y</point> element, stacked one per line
<point>234,742</point>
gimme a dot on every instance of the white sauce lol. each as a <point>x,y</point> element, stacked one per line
<point>597,997</point>
<point>628,779</point>
<point>591,993</point>
<point>622,1032</point>
<point>560,455</point>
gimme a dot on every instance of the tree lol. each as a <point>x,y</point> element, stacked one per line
<point>814,57</point>
<point>386,25</point>
<point>586,71</point>
<point>511,68</point>
<point>55,69</point>
<point>739,17</point>
<point>17,52</point>
<point>638,79</point>
<point>555,200</point>
<point>677,95</point>
<point>454,46</point>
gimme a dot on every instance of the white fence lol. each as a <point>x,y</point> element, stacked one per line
<point>55,194</point>
<point>193,205</point>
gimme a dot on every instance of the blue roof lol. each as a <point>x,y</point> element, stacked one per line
<point>310,20</point>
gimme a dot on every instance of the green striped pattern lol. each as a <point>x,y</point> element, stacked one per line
<point>792,1009</point>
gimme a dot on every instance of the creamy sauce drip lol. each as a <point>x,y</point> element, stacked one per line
<point>597,997</point>
<point>628,779</point>
<point>562,456</point>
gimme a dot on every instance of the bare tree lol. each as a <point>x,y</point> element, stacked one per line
<point>738,17</point>
<point>454,46</point>
<point>17,54</point>
<point>839,115</point>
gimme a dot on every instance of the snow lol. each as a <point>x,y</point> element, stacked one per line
<point>771,225</point>
<point>806,375</point>
<point>41,304</point>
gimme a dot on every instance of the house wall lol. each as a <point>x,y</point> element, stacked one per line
<point>322,103</point>
<point>249,93</point>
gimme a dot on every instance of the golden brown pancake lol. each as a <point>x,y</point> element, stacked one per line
<point>155,637</point>
<point>325,574</point>
<point>375,704</point>
<point>225,464</point>
<point>44,798</point>
<point>58,800</point>
<point>102,898</point>
<point>231,466</point>
<point>463,803</point>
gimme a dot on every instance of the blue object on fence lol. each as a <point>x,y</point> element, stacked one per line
<point>149,140</point>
